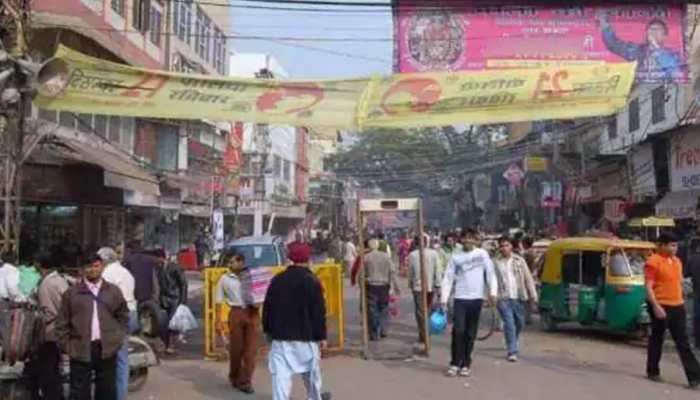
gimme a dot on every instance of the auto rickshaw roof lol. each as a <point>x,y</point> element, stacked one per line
<point>599,244</point>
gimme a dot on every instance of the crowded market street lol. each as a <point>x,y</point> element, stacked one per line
<point>577,364</point>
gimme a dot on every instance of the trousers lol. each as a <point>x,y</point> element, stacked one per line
<point>44,374</point>
<point>378,310</point>
<point>675,322</point>
<point>513,316</point>
<point>81,374</point>
<point>464,329</point>
<point>418,309</point>
<point>287,359</point>
<point>243,345</point>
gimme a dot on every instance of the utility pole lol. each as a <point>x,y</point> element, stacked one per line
<point>14,101</point>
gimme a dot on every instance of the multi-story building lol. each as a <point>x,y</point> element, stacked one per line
<point>98,179</point>
<point>275,163</point>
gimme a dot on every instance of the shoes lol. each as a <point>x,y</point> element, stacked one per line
<point>452,371</point>
<point>513,358</point>
<point>326,396</point>
<point>465,372</point>
<point>694,385</point>
<point>246,389</point>
<point>655,378</point>
<point>170,351</point>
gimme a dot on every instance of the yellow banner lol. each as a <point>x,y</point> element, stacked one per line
<point>79,83</point>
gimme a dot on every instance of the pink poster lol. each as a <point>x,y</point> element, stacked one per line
<point>470,37</point>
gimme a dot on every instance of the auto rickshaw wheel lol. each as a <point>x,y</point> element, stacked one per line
<point>547,322</point>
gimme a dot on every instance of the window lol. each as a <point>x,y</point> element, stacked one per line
<point>277,168</point>
<point>618,264</point>
<point>101,125</point>
<point>127,133</point>
<point>84,122</point>
<point>155,35</point>
<point>571,268</point>
<point>66,119</point>
<point>182,20</point>
<point>219,52</point>
<point>114,128</point>
<point>118,6</point>
<point>48,115</point>
<point>200,39</point>
<point>612,127</point>
<point>634,115</point>
<point>207,39</point>
<point>658,104</point>
<point>141,15</point>
<point>287,171</point>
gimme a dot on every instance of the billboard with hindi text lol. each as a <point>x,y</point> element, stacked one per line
<point>457,36</point>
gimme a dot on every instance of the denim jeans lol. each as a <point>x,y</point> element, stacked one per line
<point>378,307</point>
<point>513,316</point>
<point>122,371</point>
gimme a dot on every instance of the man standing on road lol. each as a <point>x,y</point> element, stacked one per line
<point>664,276</point>
<point>119,276</point>
<point>91,328</point>
<point>52,287</point>
<point>294,319</point>
<point>432,261</point>
<point>516,290</point>
<point>243,321</point>
<point>470,273</point>
<point>381,277</point>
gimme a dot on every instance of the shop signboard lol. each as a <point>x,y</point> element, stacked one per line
<point>684,163</point>
<point>514,175</point>
<point>470,36</point>
<point>217,227</point>
<point>552,193</point>
<point>536,164</point>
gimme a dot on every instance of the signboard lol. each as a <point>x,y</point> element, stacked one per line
<point>684,163</point>
<point>536,164</point>
<point>514,175</point>
<point>642,170</point>
<point>614,210</point>
<point>476,37</point>
<point>77,83</point>
<point>217,228</point>
<point>552,194</point>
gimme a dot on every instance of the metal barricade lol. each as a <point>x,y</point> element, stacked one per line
<point>331,278</point>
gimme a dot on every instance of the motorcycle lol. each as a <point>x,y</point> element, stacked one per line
<point>141,358</point>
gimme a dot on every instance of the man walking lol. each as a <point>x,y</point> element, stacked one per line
<point>381,277</point>
<point>470,272</point>
<point>51,289</point>
<point>116,274</point>
<point>349,255</point>
<point>91,328</point>
<point>294,319</point>
<point>664,275</point>
<point>516,290</point>
<point>693,271</point>
<point>432,261</point>
<point>243,321</point>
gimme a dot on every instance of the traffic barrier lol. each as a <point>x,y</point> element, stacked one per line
<point>331,278</point>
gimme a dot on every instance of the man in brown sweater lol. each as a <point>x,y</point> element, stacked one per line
<point>91,327</point>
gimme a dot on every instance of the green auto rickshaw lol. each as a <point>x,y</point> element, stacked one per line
<point>595,282</point>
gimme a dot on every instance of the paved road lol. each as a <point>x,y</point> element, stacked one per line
<point>573,364</point>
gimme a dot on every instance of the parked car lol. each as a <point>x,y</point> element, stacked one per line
<point>260,251</point>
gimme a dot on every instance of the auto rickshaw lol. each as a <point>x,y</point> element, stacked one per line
<point>595,282</point>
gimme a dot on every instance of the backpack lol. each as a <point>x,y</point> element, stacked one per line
<point>21,331</point>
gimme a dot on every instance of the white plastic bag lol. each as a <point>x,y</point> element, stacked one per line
<point>183,320</point>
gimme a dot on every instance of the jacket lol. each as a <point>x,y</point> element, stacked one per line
<point>432,270</point>
<point>74,323</point>
<point>294,308</point>
<point>143,268</point>
<point>523,279</point>
<point>173,286</point>
<point>379,269</point>
<point>50,293</point>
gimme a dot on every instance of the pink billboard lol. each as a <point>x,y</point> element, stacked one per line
<point>471,37</point>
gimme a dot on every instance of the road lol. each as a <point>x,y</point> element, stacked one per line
<point>574,364</point>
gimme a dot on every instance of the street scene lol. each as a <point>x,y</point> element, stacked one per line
<point>312,199</point>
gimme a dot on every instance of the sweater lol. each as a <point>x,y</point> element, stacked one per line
<point>294,308</point>
<point>471,273</point>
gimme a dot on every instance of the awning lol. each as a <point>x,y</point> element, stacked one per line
<point>119,171</point>
<point>678,205</point>
<point>196,210</point>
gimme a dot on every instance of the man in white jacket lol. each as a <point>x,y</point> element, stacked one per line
<point>471,273</point>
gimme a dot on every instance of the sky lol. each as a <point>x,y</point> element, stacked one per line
<point>298,58</point>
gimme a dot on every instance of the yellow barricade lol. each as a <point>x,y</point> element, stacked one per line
<point>331,279</point>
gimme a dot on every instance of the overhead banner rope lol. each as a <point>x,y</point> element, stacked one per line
<point>78,83</point>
